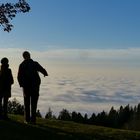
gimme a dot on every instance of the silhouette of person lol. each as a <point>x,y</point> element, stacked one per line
<point>6,80</point>
<point>29,80</point>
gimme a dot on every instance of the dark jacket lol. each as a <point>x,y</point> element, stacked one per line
<point>28,76</point>
<point>6,80</point>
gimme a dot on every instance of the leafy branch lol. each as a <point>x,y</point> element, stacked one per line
<point>9,10</point>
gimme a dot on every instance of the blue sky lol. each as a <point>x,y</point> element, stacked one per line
<point>77,24</point>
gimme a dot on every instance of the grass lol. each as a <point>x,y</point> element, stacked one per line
<point>15,129</point>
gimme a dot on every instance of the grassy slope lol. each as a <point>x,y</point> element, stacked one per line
<point>15,129</point>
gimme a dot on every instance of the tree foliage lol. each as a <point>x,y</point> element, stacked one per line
<point>64,115</point>
<point>125,117</point>
<point>14,107</point>
<point>38,114</point>
<point>49,114</point>
<point>9,10</point>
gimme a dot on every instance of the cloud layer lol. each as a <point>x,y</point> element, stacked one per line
<point>85,94</point>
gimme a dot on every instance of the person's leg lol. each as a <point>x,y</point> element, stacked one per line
<point>34,101</point>
<point>26,105</point>
<point>5,105</point>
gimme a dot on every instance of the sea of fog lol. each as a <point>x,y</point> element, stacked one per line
<point>85,92</point>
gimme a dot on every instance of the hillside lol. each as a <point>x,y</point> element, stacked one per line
<point>15,129</point>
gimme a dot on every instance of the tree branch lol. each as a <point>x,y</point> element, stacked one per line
<point>9,10</point>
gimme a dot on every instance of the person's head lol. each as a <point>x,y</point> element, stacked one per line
<point>26,55</point>
<point>4,61</point>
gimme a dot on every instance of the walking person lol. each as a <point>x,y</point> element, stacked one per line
<point>6,80</point>
<point>29,80</point>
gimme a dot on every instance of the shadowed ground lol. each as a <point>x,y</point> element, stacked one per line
<point>15,129</point>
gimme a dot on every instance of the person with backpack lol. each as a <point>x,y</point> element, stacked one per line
<point>29,80</point>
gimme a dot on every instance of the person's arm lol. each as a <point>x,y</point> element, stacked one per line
<point>41,69</point>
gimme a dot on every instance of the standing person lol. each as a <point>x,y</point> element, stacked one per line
<point>6,80</point>
<point>29,80</point>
